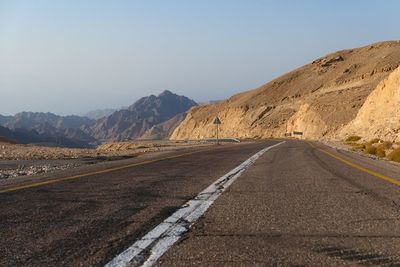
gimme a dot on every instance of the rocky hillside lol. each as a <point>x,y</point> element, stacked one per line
<point>379,117</point>
<point>318,99</point>
<point>134,121</point>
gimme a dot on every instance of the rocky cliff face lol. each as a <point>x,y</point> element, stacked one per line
<point>379,117</point>
<point>133,122</point>
<point>318,99</point>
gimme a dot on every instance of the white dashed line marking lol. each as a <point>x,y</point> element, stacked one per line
<point>147,250</point>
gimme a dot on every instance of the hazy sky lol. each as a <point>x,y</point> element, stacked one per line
<point>73,56</point>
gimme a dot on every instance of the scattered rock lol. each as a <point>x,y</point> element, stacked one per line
<point>32,170</point>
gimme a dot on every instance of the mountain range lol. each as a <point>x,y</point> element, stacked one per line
<point>81,131</point>
<point>32,120</point>
<point>68,138</point>
<point>145,113</point>
<point>47,129</point>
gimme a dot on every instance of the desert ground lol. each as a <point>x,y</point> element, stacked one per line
<point>23,160</point>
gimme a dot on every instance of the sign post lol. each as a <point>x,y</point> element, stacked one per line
<point>217,122</point>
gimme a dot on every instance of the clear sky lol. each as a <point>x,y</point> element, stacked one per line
<point>73,56</point>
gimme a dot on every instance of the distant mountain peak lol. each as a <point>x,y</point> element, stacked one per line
<point>166,93</point>
<point>141,116</point>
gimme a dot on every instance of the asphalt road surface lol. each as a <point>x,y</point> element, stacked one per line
<point>299,204</point>
<point>89,220</point>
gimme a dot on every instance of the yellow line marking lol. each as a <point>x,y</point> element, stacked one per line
<point>12,189</point>
<point>378,175</point>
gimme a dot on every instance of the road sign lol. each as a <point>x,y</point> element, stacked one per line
<point>217,122</point>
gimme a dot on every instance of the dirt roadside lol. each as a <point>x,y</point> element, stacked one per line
<point>18,160</point>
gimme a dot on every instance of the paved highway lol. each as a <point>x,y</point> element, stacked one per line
<point>297,204</point>
<point>87,220</point>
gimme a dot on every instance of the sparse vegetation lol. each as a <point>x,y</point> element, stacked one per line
<point>376,147</point>
<point>394,155</point>
<point>380,151</point>
<point>370,149</point>
<point>353,138</point>
<point>382,148</point>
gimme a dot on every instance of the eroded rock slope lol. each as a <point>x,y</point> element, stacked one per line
<point>379,117</point>
<point>318,99</point>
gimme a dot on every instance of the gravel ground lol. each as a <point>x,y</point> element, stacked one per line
<point>24,170</point>
<point>18,160</point>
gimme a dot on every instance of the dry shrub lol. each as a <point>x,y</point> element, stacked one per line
<point>370,149</point>
<point>381,148</point>
<point>394,155</point>
<point>380,151</point>
<point>353,138</point>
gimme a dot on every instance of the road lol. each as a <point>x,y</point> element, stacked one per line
<point>88,220</point>
<point>298,204</point>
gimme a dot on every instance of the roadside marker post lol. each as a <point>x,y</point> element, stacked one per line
<point>217,122</point>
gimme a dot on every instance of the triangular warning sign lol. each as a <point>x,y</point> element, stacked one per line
<point>217,120</point>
